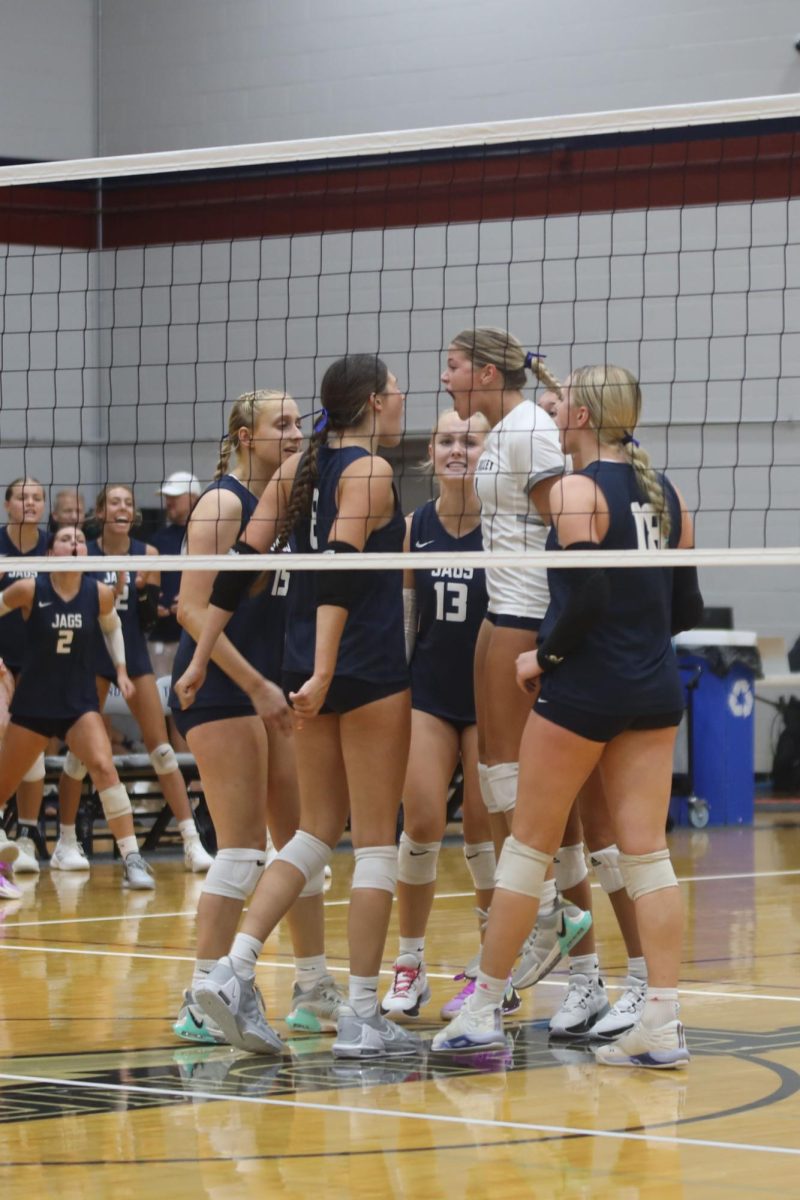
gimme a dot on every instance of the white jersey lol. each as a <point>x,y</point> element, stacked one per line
<point>518,453</point>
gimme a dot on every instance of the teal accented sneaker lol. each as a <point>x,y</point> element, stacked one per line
<point>236,1005</point>
<point>551,939</point>
<point>194,1026</point>
<point>317,1010</point>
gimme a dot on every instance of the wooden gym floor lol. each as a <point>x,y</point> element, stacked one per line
<point>97,1098</point>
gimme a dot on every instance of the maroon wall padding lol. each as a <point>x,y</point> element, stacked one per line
<point>379,192</point>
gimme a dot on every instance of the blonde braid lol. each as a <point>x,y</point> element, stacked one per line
<point>614,400</point>
<point>225,451</point>
<point>650,483</point>
<point>545,376</point>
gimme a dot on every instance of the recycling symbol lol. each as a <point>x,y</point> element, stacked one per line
<point>741,698</point>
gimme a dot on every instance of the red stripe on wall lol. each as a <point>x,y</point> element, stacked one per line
<point>523,184</point>
<point>49,216</point>
<point>375,194</point>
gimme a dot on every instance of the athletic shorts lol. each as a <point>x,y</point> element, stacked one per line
<point>510,621</point>
<point>455,722</point>
<point>49,727</point>
<point>345,694</point>
<point>602,727</point>
<point>189,718</point>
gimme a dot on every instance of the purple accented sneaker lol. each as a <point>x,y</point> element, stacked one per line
<point>8,889</point>
<point>453,1006</point>
<point>663,1048</point>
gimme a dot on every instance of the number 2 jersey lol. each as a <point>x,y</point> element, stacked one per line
<point>58,671</point>
<point>137,656</point>
<point>626,664</point>
<point>451,603</point>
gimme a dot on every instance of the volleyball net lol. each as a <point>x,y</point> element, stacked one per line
<point>142,295</point>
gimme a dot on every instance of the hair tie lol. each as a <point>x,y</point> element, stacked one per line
<point>531,356</point>
<point>322,422</point>
<point>628,439</point>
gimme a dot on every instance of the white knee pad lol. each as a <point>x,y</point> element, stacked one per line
<point>484,785</point>
<point>305,852</point>
<point>315,885</point>
<point>74,768</point>
<point>606,868</point>
<point>36,772</point>
<point>481,863</point>
<point>163,759</point>
<point>521,868</point>
<point>115,801</point>
<point>234,873</point>
<point>502,780</point>
<point>644,873</point>
<point>376,867</point>
<point>417,861</point>
<point>570,867</point>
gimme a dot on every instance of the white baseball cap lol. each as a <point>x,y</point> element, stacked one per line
<point>178,483</point>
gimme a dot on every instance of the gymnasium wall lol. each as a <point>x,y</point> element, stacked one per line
<point>181,73</point>
<point>48,79</point>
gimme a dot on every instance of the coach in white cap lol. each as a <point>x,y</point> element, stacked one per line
<point>179,491</point>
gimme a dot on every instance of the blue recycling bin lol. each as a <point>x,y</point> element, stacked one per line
<point>719,668</point>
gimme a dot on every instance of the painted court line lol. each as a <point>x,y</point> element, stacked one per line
<point>388,971</point>
<point>394,1114</point>
<point>191,912</point>
<point>340,903</point>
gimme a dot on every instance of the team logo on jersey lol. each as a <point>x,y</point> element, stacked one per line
<point>452,573</point>
<point>67,621</point>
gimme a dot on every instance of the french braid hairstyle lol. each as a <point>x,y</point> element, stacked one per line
<point>346,388</point>
<point>244,414</point>
<point>487,346</point>
<point>614,400</point>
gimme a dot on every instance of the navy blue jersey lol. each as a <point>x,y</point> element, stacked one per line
<point>137,656</point>
<point>13,629</point>
<point>58,671</point>
<point>626,664</point>
<point>451,603</point>
<point>168,540</point>
<point>256,628</point>
<point>373,644</point>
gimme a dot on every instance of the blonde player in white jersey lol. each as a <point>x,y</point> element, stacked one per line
<point>486,370</point>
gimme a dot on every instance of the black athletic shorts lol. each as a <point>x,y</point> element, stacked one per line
<point>457,724</point>
<point>345,693</point>
<point>49,727</point>
<point>510,621</point>
<point>189,718</point>
<point>602,727</point>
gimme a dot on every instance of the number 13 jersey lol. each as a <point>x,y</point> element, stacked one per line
<point>451,603</point>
